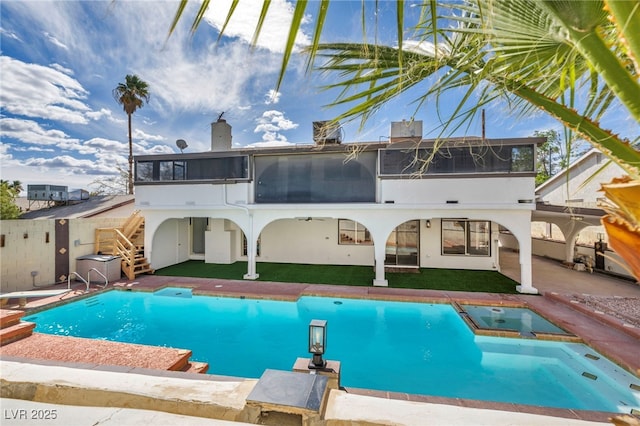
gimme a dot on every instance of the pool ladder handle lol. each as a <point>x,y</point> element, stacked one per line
<point>106,281</point>
<point>88,280</point>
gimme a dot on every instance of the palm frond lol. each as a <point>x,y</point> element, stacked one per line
<point>232,8</point>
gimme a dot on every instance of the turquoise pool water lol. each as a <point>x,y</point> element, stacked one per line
<point>394,346</point>
<point>522,320</point>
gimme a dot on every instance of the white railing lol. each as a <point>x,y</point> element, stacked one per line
<point>77,276</point>
<point>106,281</point>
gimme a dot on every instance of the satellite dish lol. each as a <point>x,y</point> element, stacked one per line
<point>182,144</point>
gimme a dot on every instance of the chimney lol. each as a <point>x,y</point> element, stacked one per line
<point>406,130</point>
<point>220,135</point>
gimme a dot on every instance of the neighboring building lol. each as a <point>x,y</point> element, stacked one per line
<point>568,211</point>
<point>374,204</point>
<point>108,206</point>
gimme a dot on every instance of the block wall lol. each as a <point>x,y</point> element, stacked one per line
<point>27,255</point>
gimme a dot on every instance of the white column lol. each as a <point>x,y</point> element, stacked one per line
<point>521,230</point>
<point>570,234</point>
<point>379,248</point>
<point>252,250</point>
<point>526,275</point>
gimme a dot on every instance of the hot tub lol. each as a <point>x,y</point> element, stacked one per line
<point>108,265</point>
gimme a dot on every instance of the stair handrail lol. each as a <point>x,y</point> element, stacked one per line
<point>132,224</point>
<point>126,250</point>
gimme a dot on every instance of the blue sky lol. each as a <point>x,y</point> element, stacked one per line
<point>60,60</point>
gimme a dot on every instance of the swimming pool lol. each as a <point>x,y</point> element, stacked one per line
<point>393,346</point>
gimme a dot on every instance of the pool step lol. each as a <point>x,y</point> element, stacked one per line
<point>196,367</point>
<point>16,332</point>
<point>184,364</point>
<point>9,317</point>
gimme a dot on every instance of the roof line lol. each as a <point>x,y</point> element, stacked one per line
<point>112,207</point>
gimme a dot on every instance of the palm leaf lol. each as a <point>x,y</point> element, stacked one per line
<point>232,9</point>
<point>626,17</point>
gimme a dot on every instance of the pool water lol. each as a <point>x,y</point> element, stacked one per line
<point>393,346</point>
<point>522,320</point>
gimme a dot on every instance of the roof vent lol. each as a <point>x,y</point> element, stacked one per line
<point>327,132</point>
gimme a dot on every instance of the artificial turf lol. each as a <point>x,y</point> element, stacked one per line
<point>425,278</point>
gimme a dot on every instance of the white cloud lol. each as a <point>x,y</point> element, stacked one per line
<point>269,144</point>
<point>272,97</point>
<point>271,124</point>
<point>55,41</point>
<point>97,115</point>
<point>141,135</point>
<point>98,145</point>
<point>219,80</point>
<point>30,132</point>
<point>275,29</point>
<point>9,34</point>
<point>71,165</point>
<point>33,90</point>
<point>4,154</point>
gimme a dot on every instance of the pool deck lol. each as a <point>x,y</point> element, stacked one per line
<point>608,335</point>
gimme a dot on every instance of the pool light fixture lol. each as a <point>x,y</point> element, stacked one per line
<point>317,343</point>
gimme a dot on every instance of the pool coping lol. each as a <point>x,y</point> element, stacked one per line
<point>548,306</point>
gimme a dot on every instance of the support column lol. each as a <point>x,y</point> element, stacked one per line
<point>526,276</point>
<point>252,251</point>
<point>379,247</point>
<point>570,243</point>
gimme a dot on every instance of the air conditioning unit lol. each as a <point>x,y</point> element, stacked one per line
<point>327,132</point>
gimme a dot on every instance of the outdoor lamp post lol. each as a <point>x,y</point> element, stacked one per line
<point>317,343</point>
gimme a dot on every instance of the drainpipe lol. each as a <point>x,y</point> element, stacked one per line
<point>251,253</point>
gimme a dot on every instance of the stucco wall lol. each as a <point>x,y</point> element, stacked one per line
<point>431,253</point>
<point>314,241</point>
<point>192,196</point>
<point>480,191</point>
<point>21,256</point>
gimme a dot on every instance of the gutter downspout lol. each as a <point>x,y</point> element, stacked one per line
<point>251,246</point>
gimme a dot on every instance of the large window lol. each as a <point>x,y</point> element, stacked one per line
<point>466,237</point>
<point>457,160</point>
<point>315,178</point>
<point>172,170</point>
<point>351,232</point>
<point>192,169</point>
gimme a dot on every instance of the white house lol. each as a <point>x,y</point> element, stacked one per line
<point>392,204</point>
<point>570,200</point>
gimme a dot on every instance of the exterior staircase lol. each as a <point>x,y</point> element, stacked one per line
<point>127,242</point>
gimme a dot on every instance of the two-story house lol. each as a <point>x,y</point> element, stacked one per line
<point>405,203</point>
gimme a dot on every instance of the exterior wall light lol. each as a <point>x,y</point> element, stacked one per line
<point>428,223</point>
<point>317,343</point>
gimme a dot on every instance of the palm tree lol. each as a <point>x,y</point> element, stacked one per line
<point>132,94</point>
<point>574,60</point>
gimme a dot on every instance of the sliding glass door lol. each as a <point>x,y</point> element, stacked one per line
<point>403,245</point>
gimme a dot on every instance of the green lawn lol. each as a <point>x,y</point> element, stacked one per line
<point>436,279</point>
